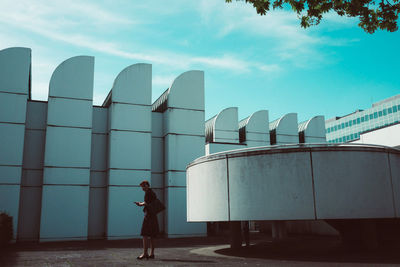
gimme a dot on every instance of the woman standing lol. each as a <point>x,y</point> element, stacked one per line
<point>150,222</point>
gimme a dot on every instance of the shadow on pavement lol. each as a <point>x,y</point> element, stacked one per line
<point>186,261</point>
<point>105,244</point>
<point>7,257</point>
<point>310,249</point>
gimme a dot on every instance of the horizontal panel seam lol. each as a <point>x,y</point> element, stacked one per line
<point>71,98</point>
<point>73,127</point>
<point>14,93</point>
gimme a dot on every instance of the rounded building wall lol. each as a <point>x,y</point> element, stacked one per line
<point>295,182</point>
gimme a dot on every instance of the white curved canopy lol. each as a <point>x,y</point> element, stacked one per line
<point>223,127</point>
<point>73,78</point>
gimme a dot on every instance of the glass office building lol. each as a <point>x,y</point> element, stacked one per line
<point>349,127</point>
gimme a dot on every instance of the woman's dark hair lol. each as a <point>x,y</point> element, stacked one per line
<point>145,182</point>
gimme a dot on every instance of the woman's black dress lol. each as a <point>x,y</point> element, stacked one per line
<point>150,222</point>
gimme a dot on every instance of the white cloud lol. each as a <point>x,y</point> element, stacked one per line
<point>163,80</point>
<point>80,24</point>
<point>273,68</point>
<point>287,40</point>
<point>44,27</point>
<point>57,13</point>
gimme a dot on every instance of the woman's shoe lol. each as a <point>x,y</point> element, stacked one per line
<point>151,256</point>
<point>143,256</point>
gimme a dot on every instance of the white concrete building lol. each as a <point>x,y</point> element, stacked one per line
<point>71,171</point>
<point>385,136</point>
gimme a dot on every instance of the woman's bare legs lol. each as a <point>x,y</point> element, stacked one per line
<point>145,246</point>
<point>152,241</point>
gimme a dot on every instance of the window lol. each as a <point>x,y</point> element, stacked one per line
<point>338,126</point>
<point>380,113</point>
<point>389,110</point>
<point>366,117</point>
<point>350,123</point>
<point>371,116</point>
<point>362,119</point>
<point>335,128</point>
<point>342,125</point>
<point>351,136</point>
<point>394,109</point>
<point>384,112</point>
<point>347,124</point>
<point>375,115</point>
<point>358,120</point>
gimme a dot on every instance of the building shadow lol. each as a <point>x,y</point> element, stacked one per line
<point>99,244</point>
<point>318,249</point>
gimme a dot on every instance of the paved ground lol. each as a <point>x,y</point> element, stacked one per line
<point>295,251</point>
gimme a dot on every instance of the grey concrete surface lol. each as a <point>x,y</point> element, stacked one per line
<point>210,251</point>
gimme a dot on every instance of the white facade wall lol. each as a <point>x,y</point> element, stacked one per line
<point>313,130</point>
<point>183,133</point>
<point>225,128</point>
<point>284,130</point>
<point>300,182</point>
<point>224,132</point>
<point>71,170</point>
<point>15,66</point>
<point>66,172</point>
<point>129,144</point>
<point>255,129</point>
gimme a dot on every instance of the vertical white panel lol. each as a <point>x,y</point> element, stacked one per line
<point>207,192</point>
<point>15,64</point>
<point>184,141</point>
<point>351,184</point>
<point>271,187</point>
<point>129,142</point>
<point>68,152</point>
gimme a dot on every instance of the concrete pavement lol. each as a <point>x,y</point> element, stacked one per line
<point>210,251</point>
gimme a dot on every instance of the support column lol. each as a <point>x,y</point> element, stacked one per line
<point>279,230</point>
<point>236,234</point>
<point>65,197</point>
<point>15,66</point>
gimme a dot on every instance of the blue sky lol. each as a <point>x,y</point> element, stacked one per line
<point>250,61</point>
